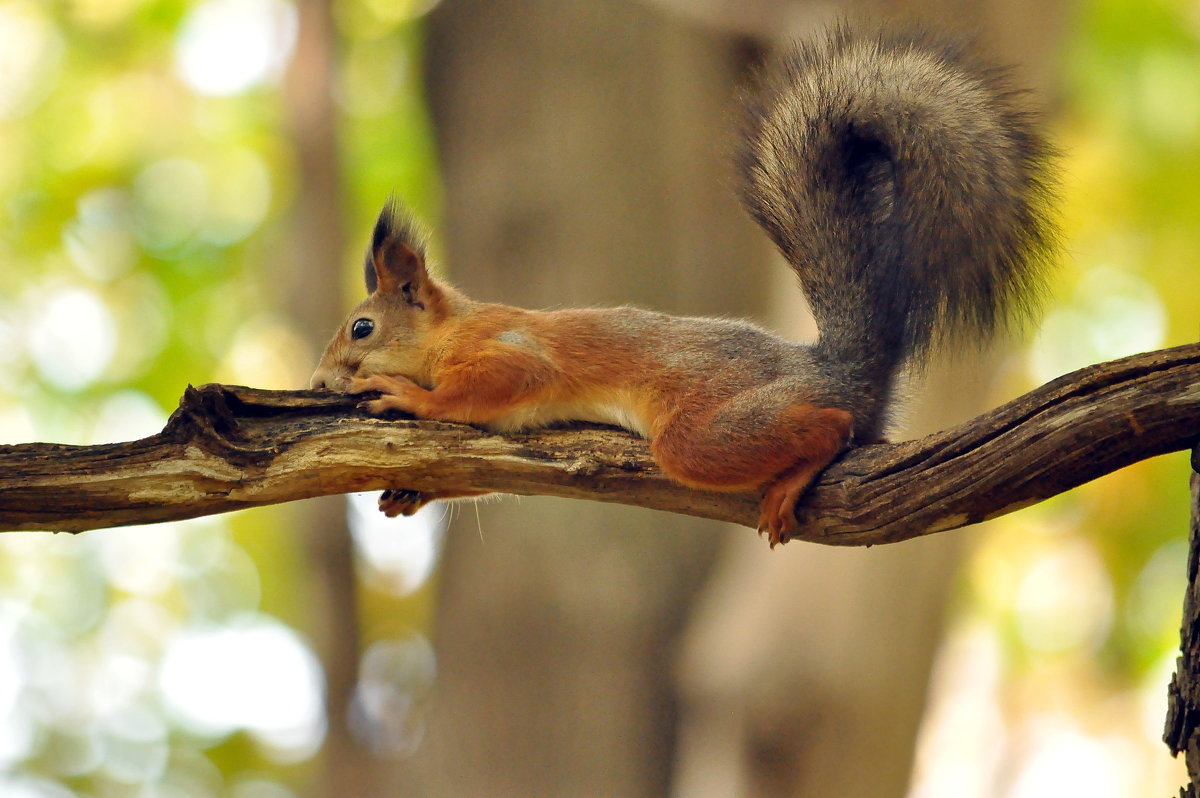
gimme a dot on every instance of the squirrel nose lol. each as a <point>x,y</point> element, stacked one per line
<point>319,380</point>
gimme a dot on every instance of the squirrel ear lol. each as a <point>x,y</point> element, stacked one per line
<point>400,271</point>
<point>369,273</point>
<point>395,263</point>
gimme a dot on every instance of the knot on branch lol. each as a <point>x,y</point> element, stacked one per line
<point>203,410</point>
<point>206,417</point>
<point>228,420</point>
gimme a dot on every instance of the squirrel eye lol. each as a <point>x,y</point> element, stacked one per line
<point>361,328</point>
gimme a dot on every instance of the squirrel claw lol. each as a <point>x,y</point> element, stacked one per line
<point>777,513</point>
<point>376,407</point>
<point>773,530</point>
<point>399,501</point>
<point>395,393</point>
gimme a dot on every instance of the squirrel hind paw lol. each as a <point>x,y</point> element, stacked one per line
<point>400,502</point>
<point>772,521</point>
<point>777,513</point>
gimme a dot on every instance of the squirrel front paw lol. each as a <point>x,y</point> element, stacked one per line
<point>396,393</point>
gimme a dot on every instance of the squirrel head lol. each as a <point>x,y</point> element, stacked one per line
<point>390,331</point>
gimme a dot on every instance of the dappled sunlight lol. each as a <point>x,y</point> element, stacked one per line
<point>239,195</point>
<point>31,49</point>
<point>371,19</point>
<point>26,786</point>
<point>1019,705</point>
<point>1110,314</point>
<point>16,424</point>
<point>19,729</point>
<point>395,678</point>
<point>250,673</point>
<point>103,13</point>
<point>127,416</point>
<point>259,788</point>
<point>1062,759</point>
<point>1063,601</point>
<point>961,747</point>
<point>219,198</point>
<point>1080,597</point>
<point>144,317</point>
<point>371,80</point>
<point>1153,606</point>
<point>171,196</point>
<point>228,46</point>
<point>71,338</point>
<point>147,175</point>
<point>1168,107</point>
<point>133,745</point>
<point>264,354</point>
<point>141,560</point>
<point>991,732</point>
<point>93,689</point>
<point>100,240</point>
<point>119,122</point>
<point>399,553</point>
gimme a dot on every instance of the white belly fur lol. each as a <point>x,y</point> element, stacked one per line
<point>611,412</point>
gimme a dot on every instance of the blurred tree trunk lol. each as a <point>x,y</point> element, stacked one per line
<point>581,143</point>
<point>583,165</point>
<point>775,702</point>
<point>310,277</point>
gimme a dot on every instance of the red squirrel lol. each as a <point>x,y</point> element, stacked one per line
<point>901,180</point>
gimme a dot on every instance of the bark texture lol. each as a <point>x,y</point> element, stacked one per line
<point>1182,733</point>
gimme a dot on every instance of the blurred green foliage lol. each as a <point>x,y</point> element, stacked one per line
<point>1082,594</point>
<point>147,172</point>
<point>1130,129</point>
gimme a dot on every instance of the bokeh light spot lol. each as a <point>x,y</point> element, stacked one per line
<point>253,673</point>
<point>99,240</point>
<point>171,198</point>
<point>399,552</point>
<point>127,416</point>
<point>228,46</point>
<point>395,676</point>
<point>72,338</point>
<point>1064,600</point>
<point>30,51</point>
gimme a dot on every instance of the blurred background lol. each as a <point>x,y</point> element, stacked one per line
<point>185,192</point>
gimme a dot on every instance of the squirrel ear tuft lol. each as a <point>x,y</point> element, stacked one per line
<point>397,254</point>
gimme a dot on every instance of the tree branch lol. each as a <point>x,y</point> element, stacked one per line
<point>227,448</point>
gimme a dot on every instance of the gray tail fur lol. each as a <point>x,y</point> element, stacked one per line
<point>907,188</point>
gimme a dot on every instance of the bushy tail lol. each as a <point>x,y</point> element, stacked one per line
<point>905,186</point>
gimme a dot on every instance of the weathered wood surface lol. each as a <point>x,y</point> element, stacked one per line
<point>229,447</point>
<point>1182,732</point>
